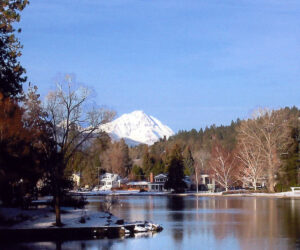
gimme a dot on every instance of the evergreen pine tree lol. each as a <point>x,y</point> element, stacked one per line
<point>148,162</point>
<point>175,166</point>
<point>188,161</point>
<point>137,173</point>
<point>11,72</point>
<point>126,161</point>
<point>158,167</point>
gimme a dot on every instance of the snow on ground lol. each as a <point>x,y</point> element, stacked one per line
<point>138,193</point>
<point>280,195</point>
<point>44,218</point>
<point>118,192</point>
<point>276,195</point>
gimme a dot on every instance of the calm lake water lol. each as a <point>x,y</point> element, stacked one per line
<point>200,223</point>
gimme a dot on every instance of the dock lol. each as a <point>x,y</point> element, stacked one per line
<point>67,233</point>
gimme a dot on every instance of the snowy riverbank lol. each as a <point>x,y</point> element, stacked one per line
<point>38,224</point>
<point>16,218</point>
<point>118,193</point>
<point>234,193</point>
<point>275,195</point>
<point>247,194</point>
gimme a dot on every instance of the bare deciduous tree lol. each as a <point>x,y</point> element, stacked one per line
<point>200,157</point>
<point>74,123</point>
<point>223,166</point>
<point>116,159</point>
<point>251,168</point>
<point>269,134</point>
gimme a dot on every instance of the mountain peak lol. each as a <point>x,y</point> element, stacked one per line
<point>137,127</point>
<point>138,112</point>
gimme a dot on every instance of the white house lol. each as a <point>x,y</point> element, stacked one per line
<point>109,181</point>
<point>161,178</point>
<point>208,181</point>
<point>158,184</point>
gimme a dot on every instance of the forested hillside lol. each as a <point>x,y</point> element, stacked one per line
<point>197,146</point>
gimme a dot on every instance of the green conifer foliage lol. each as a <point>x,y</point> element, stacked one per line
<point>188,162</point>
<point>11,72</point>
<point>175,166</point>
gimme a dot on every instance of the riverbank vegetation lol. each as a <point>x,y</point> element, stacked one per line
<point>38,140</point>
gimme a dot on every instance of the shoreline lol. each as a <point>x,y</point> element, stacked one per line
<point>38,225</point>
<point>290,194</point>
<point>79,233</point>
<point>66,233</point>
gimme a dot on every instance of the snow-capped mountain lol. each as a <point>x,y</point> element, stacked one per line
<point>136,128</point>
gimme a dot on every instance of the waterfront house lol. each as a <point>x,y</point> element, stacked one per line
<point>208,181</point>
<point>157,185</point>
<point>138,185</point>
<point>109,181</point>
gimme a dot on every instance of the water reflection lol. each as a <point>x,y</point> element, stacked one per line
<point>244,222</point>
<point>200,222</point>
<point>175,206</point>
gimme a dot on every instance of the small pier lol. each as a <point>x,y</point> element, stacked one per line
<point>69,233</point>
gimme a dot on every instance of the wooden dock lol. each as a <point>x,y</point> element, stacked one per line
<point>67,233</point>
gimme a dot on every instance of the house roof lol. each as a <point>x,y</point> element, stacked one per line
<point>137,183</point>
<point>161,176</point>
<point>110,176</point>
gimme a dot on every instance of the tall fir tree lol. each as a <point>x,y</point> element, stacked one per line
<point>11,72</point>
<point>188,161</point>
<point>175,166</point>
<point>148,162</point>
<point>158,167</point>
<point>126,161</point>
<point>137,173</point>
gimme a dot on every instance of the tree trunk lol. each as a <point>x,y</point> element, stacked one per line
<point>270,173</point>
<point>271,180</point>
<point>57,211</point>
<point>58,245</point>
<point>57,196</point>
<point>197,181</point>
<point>271,183</point>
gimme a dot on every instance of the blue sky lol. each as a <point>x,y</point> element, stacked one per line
<point>189,63</point>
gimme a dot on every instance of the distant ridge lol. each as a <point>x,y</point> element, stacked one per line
<point>136,128</point>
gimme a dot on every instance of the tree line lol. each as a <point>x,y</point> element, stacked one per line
<point>261,149</point>
<point>264,148</point>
